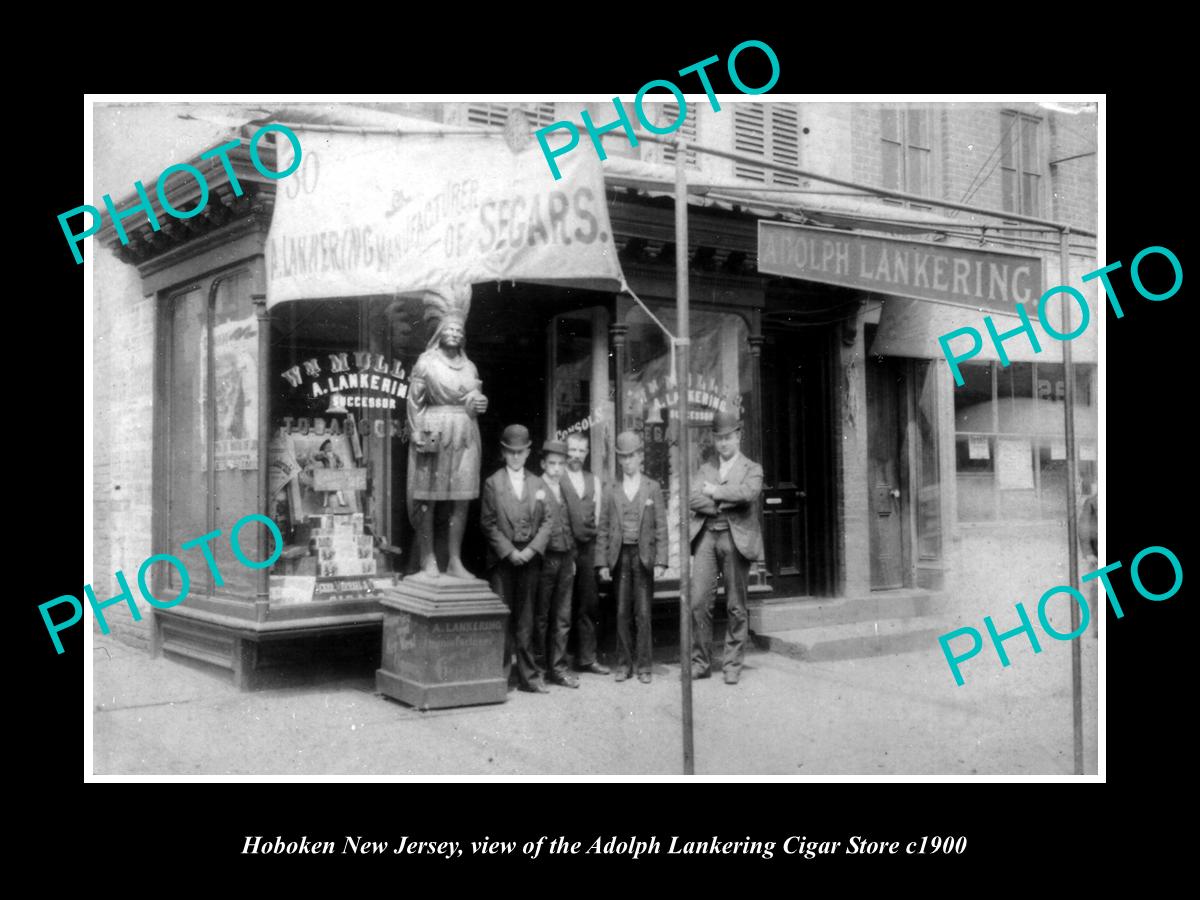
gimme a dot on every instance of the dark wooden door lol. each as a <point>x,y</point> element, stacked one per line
<point>885,422</point>
<point>797,480</point>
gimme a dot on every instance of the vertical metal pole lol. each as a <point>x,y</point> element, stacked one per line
<point>263,576</point>
<point>683,333</point>
<point>1072,509</point>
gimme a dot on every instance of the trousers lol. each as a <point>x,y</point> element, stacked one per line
<point>586,599</point>
<point>715,552</point>
<point>552,619</point>
<point>517,587</point>
<point>633,582</point>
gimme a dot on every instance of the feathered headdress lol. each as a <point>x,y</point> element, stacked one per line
<point>449,301</point>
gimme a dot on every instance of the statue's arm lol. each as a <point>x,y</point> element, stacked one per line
<point>418,393</point>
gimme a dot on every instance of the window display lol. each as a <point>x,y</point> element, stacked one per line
<point>1010,450</point>
<point>337,454</point>
<point>719,379</point>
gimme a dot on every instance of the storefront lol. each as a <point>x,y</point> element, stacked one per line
<point>282,373</point>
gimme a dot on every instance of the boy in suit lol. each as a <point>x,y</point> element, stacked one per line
<point>514,521</point>
<point>581,490</point>
<point>725,536</point>
<point>558,572</point>
<point>633,542</point>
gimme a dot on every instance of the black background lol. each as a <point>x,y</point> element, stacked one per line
<point>142,827</point>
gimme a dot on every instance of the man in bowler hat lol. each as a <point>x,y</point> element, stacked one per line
<point>725,537</point>
<point>517,528</point>
<point>552,620</point>
<point>582,491</point>
<point>632,550</point>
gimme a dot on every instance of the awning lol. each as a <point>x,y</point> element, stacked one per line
<point>842,209</point>
<point>912,328</point>
<point>390,213</point>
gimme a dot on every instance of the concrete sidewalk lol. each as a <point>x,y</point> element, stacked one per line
<point>892,715</point>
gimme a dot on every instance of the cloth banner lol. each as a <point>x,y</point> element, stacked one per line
<point>377,214</point>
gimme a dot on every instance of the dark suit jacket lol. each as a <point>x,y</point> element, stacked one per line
<point>500,508</point>
<point>582,509</point>
<point>652,537</point>
<point>738,497</point>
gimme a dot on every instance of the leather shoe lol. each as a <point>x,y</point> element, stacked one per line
<point>566,679</point>
<point>596,668</point>
<point>622,676</point>
<point>536,687</point>
<point>698,673</point>
<point>731,677</point>
<point>644,677</point>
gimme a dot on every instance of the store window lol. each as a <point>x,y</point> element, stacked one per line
<point>338,446</point>
<point>1020,163</point>
<point>907,135</point>
<point>1010,450</point>
<point>212,440</point>
<point>719,378</point>
<point>770,131</point>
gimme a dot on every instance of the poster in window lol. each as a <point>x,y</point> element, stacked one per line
<point>1014,464</point>
<point>978,448</point>
<point>235,354</point>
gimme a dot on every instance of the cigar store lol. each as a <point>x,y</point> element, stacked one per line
<point>287,320</point>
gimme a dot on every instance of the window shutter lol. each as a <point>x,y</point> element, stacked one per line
<point>750,137</point>
<point>496,114</point>
<point>772,132</point>
<point>667,115</point>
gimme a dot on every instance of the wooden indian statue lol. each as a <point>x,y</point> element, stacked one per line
<point>444,400</point>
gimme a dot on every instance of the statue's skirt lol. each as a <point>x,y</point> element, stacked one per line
<point>451,473</point>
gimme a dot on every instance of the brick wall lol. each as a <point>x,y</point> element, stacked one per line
<point>122,398</point>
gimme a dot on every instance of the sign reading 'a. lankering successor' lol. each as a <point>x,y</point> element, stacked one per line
<point>961,276</point>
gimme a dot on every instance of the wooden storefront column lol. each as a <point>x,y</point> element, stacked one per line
<point>617,332</point>
<point>757,413</point>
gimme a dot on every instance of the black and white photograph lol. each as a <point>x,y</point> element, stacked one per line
<point>734,434</point>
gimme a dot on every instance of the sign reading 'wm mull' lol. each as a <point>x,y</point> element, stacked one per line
<point>961,276</point>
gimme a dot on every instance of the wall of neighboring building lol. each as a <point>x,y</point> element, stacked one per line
<point>122,439</point>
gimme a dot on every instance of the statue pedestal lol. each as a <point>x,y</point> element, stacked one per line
<point>443,643</point>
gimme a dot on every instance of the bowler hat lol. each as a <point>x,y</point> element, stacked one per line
<point>726,422</point>
<point>628,442</point>
<point>516,437</point>
<point>554,447</point>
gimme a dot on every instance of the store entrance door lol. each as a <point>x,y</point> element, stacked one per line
<point>887,484</point>
<point>797,461</point>
<point>511,336</point>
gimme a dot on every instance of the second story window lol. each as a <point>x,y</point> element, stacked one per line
<point>539,114</point>
<point>1020,163</point>
<point>907,138</point>
<point>770,131</point>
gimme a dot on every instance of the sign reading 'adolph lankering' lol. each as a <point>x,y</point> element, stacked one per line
<point>961,276</point>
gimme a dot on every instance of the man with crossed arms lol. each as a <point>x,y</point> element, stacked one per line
<point>725,536</point>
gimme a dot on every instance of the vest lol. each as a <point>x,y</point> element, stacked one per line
<point>631,517</point>
<point>718,522</point>
<point>522,522</point>
<point>562,539</point>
